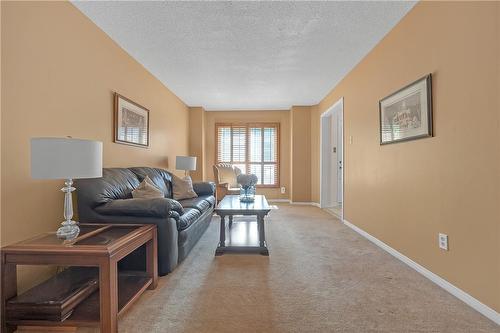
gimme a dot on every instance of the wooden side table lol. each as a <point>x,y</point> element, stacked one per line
<point>98,245</point>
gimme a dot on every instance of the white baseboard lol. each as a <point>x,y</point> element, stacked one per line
<point>305,203</point>
<point>279,200</point>
<point>457,292</point>
<point>332,213</point>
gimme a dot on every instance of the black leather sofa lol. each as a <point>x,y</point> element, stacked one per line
<point>180,224</point>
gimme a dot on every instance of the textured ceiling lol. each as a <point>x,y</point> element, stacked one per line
<point>247,55</point>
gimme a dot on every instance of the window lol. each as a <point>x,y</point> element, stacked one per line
<point>253,147</point>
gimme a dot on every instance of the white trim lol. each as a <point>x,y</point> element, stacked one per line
<point>244,110</point>
<point>332,213</point>
<point>298,203</point>
<point>305,203</point>
<point>455,291</point>
<point>278,200</point>
<point>328,112</point>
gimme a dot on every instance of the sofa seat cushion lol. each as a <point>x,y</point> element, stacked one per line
<point>189,217</point>
<point>199,203</point>
<point>187,238</point>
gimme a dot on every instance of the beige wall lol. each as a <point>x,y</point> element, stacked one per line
<point>59,74</point>
<point>405,193</point>
<point>197,141</point>
<point>300,138</point>
<point>282,117</point>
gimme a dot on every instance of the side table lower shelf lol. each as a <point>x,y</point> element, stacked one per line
<point>130,286</point>
<point>98,245</point>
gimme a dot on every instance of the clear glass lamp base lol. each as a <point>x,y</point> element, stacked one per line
<point>68,230</point>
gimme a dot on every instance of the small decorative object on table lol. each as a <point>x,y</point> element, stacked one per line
<point>247,187</point>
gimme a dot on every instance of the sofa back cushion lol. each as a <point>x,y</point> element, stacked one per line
<point>116,183</point>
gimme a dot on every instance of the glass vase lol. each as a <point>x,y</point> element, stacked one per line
<point>247,193</point>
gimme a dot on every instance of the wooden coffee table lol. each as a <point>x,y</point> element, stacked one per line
<point>230,206</point>
<point>98,245</point>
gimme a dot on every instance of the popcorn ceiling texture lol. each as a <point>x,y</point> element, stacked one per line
<point>247,55</point>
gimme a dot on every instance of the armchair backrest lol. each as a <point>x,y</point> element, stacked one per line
<point>226,173</point>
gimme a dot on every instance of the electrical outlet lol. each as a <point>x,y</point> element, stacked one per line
<point>443,241</point>
<point>350,139</point>
<point>283,189</point>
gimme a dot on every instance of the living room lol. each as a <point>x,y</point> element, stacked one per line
<point>399,237</point>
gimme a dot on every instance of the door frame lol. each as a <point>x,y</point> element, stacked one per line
<point>338,104</point>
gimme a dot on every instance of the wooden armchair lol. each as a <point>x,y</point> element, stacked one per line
<point>225,175</point>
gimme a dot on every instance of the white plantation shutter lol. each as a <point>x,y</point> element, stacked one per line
<point>239,146</point>
<point>224,144</point>
<point>253,147</point>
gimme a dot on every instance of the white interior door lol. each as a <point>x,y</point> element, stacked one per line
<point>339,172</point>
<point>326,162</point>
<point>333,152</point>
<point>331,157</point>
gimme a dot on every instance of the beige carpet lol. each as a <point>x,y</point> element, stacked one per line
<point>320,277</point>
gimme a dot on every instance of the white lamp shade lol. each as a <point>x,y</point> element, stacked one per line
<point>185,163</point>
<point>65,158</point>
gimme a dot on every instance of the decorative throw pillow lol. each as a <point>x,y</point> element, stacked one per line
<point>183,188</point>
<point>147,190</point>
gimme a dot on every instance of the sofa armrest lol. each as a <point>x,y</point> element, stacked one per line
<point>158,207</point>
<point>204,188</point>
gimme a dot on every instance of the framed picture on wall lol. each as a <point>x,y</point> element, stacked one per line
<point>131,122</point>
<point>407,113</point>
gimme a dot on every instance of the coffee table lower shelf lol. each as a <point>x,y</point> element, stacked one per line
<point>130,286</point>
<point>242,236</point>
<point>262,250</point>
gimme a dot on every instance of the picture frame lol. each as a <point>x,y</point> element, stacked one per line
<point>131,122</point>
<point>407,113</point>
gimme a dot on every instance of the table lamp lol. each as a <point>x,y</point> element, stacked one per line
<point>66,158</point>
<point>185,163</point>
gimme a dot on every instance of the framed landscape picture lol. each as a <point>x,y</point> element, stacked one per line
<point>131,122</point>
<point>407,113</point>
